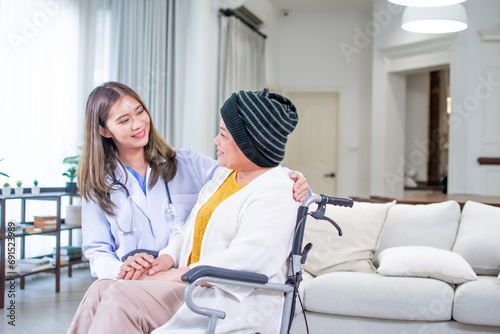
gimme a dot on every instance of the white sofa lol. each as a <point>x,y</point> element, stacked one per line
<point>400,268</point>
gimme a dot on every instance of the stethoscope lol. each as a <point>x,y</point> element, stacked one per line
<point>171,209</point>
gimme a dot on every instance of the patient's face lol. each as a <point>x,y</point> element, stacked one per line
<point>229,154</point>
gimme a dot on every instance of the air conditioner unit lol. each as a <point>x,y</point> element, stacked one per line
<point>257,13</point>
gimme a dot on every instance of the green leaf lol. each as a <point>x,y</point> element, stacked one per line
<point>74,160</point>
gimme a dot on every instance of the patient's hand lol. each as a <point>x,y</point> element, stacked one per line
<point>163,262</point>
<point>173,275</point>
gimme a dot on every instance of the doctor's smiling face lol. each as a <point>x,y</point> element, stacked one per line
<point>127,124</point>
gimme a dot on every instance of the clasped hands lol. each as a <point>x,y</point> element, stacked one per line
<point>142,266</point>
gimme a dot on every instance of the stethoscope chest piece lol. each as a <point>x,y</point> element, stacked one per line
<point>171,209</point>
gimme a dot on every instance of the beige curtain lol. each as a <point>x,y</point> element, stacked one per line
<point>141,54</point>
<point>241,58</point>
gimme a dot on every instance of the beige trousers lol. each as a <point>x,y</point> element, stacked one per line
<point>111,306</point>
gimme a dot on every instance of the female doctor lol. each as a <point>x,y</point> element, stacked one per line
<point>134,186</point>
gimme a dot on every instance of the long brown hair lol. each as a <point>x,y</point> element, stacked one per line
<point>99,155</point>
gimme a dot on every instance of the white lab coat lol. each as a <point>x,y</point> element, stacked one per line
<point>102,242</point>
<point>251,230</point>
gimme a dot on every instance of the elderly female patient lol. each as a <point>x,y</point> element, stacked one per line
<point>244,219</point>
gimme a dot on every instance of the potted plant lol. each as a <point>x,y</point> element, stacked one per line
<point>35,190</point>
<point>19,189</point>
<point>6,190</point>
<point>70,173</point>
<point>73,211</point>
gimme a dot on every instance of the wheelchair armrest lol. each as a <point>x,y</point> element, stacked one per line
<point>237,275</point>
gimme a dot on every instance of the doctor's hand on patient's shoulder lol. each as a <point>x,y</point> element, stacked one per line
<point>162,263</point>
<point>300,188</point>
<point>135,265</point>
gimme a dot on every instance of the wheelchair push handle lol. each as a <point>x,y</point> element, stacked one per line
<point>338,201</point>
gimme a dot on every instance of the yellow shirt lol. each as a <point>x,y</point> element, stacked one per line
<point>228,188</point>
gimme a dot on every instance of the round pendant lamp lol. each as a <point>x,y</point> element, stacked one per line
<point>434,20</point>
<point>425,3</point>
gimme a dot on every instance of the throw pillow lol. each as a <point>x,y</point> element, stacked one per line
<point>478,238</point>
<point>433,225</point>
<point>361,227</point>
<point>422,261</point>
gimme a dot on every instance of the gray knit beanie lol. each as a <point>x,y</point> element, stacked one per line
<point>259,123</point>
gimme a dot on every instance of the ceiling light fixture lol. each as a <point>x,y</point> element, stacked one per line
<point>434,20</point>
<point>426,3</point>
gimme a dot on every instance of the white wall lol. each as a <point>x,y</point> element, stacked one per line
<point>347,51</point>
<point>313,51</point>
<point>466,73</point>
<point>468,89</point>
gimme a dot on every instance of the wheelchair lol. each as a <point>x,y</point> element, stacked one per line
<point>290,289</point>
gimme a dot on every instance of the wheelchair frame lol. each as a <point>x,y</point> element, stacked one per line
<point>290,288</point>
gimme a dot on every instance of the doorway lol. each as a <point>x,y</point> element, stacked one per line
<point>426,130</point>
<point>312,146</point>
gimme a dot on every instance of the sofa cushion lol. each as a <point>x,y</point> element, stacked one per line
<point>423,261</point>
<point>376,296</point>
<point>433,225</point>
<point>478,302</point>
<point>353,251</point>
<point>478,238</point>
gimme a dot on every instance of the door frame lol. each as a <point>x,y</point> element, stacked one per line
<point>388,104</point>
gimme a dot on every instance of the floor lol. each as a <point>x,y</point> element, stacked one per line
<point>38,309</point>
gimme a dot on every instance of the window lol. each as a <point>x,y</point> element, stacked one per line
<point>41,120</point>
